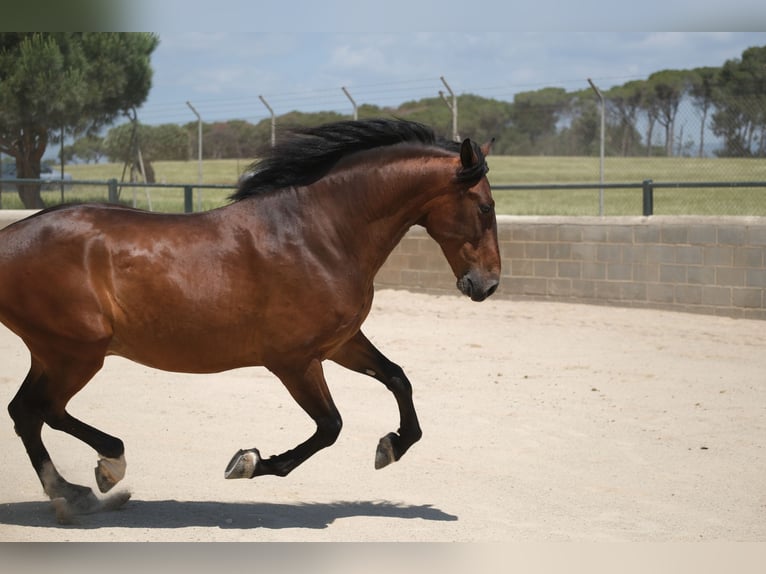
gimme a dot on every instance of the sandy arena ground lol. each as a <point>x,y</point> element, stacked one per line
<point>542,422</point>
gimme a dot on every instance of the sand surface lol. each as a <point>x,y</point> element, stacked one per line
<point>542,422</point>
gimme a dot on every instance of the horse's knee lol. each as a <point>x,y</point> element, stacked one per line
<point>23,417</point>
<point>396,381</point>
<point>400,385</point>
<point>328,429</point>
<point>13,410</point>
<point>18,408</point>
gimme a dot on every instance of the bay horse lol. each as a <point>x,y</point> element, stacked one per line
<point>280,277</point>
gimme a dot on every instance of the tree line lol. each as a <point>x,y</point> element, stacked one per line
<point>641,120</point>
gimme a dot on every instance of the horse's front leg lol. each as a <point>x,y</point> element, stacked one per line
<point>360,355</point>
<point>309,389</point>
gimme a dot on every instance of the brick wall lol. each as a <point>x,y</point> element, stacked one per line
<point>696,264</point>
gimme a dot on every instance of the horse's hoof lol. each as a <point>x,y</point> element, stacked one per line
<point>115,500</point>
<point>243,464</point>
<point>63,511</point>
<point>86,503</point>
<point>109,472</point>
<point>77,500</point>
<point>385,454</point>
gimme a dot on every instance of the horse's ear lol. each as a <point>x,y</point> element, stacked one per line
<point>487,147</point>
<point>472,161</point>
<point>467,155</point>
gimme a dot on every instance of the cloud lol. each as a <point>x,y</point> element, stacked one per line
<point>367,58</point>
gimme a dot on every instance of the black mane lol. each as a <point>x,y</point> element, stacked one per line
<point>306,155</point>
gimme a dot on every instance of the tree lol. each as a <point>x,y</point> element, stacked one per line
<point>88,149</point>
<point>162,142</point>
<point>245,138</point>
<point>668,89</point>
<point>65,82</point>
<point>740,101</point>
<point>167,141</point>
<point>650,107</point>
<point>123,143</point>
<point>536,114</point>
<point>218,140</point>
<point>623,103</point>
<point>483,119</point>
<point>702,92</point>
<point>582,136</point>
<point>232,139</point>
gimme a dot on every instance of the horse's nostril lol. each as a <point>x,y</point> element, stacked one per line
<point>492,289</point>
<point>465,285</point>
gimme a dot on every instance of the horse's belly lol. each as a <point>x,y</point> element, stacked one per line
<point>198,351</point>
<point>208,346</point>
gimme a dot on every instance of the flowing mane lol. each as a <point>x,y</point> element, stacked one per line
<point>306,155</point>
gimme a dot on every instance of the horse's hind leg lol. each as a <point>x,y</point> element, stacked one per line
<point>110,468</point>
<point>360,355</point>
<point>25,411</point>
<point>309,389</point>
<point>42,398</point>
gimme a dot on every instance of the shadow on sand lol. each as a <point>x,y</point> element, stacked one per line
<point>182,514</point>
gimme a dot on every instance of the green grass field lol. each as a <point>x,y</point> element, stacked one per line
<point>504,170</point>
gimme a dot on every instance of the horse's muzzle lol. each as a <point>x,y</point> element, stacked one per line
<point>476,288</point>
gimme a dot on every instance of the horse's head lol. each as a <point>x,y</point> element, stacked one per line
<point>462,220</point>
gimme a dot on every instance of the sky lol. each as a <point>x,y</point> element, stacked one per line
<point>221,55</point>
<point>223,74</point>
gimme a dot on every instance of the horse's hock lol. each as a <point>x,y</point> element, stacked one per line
<point>714,265</point>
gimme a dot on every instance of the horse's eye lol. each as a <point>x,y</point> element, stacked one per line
<point>485,207</point>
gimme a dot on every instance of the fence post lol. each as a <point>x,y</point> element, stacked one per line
<point>188,199</point>
<point>112,191</point>
<point>648,194</point>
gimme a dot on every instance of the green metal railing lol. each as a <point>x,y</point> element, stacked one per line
<point>647,187</point>
<point>113,188</point>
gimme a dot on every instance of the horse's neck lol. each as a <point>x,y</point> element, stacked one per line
<point>375,212</point>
